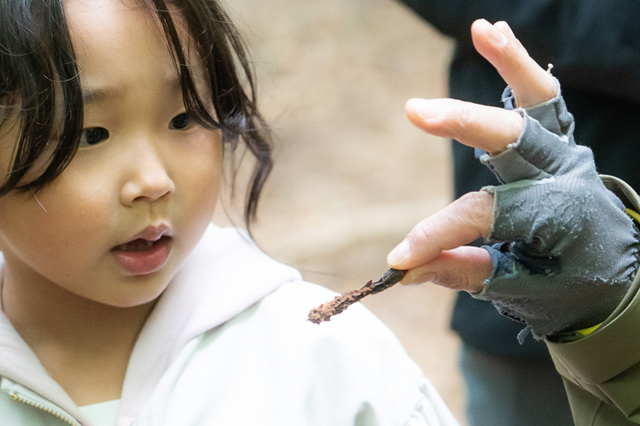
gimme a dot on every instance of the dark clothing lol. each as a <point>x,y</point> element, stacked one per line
<point>594,44</point>
<point>595,49</point>
<point>499,397</point>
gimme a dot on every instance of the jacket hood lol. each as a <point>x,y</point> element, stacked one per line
<point>225,274</point>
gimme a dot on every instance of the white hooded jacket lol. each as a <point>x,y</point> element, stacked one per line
<point>228,344</point>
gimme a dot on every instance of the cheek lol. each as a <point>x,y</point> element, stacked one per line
<point>204,175</point>
<point>55,242</point>
<point>74,220</point>
<point>73,215</point>
<point>79,199</point>
<point>203,165</point>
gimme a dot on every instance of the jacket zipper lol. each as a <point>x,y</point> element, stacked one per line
<point>41,407</point>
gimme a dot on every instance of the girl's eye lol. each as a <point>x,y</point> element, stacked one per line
<point>93,135</point>
<point>180,122</point>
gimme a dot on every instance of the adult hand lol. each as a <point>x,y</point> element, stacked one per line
<point>532,151</point>
<point>432,251</point>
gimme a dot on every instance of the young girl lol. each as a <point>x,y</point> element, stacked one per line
<point>121,303</point>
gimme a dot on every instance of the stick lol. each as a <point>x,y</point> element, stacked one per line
<point>325,311</point>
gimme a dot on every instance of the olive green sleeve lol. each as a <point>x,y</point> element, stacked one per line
<point>602,370</point>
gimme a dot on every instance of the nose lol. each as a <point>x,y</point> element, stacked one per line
<point>148,178</point>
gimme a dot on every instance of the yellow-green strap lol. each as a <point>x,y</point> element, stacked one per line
<point>587,331</point>
<point>633,214</point>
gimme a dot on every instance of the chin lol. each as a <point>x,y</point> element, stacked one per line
<point>136,299</point>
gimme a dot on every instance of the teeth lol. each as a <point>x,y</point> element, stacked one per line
<point>136,245</point>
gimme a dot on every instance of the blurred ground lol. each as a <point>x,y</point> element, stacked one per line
<point>352,175</point>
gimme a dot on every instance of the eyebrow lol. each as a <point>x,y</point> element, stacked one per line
<point>100,94</point>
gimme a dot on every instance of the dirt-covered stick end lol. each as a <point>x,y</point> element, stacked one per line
<point>325,311</point>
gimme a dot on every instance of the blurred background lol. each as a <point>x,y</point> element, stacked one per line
<point>352,174</point>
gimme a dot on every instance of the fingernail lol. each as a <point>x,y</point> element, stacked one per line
<point>503,27</point>
<point>429,277</point>
<point>426,109</point>
<point>398,254</point>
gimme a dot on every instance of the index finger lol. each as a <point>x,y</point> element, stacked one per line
<point>489,128</point>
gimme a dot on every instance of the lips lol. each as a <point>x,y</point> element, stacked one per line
<point>146,252</point>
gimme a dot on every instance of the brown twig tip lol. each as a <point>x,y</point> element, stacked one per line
<point>325,311</point>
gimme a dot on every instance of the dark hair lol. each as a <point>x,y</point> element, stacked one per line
<point>39,75</point>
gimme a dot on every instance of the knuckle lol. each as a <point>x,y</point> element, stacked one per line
<point>453,280</point>
<point>421,234</point>
<point>475,208</point>
<point>465,119</point>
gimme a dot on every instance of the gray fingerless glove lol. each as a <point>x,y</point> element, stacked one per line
<point>565,252</point>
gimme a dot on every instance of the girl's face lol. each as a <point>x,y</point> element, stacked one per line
<point>117,224</point>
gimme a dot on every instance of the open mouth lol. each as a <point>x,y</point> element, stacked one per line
<point>140,244</point>
<point>141,256</point>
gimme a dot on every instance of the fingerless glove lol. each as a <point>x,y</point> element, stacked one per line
<point>564,250</point>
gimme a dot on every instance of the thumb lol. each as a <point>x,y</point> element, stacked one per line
<point>463,268</point>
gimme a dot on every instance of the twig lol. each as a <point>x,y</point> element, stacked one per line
<point>325,311</point>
